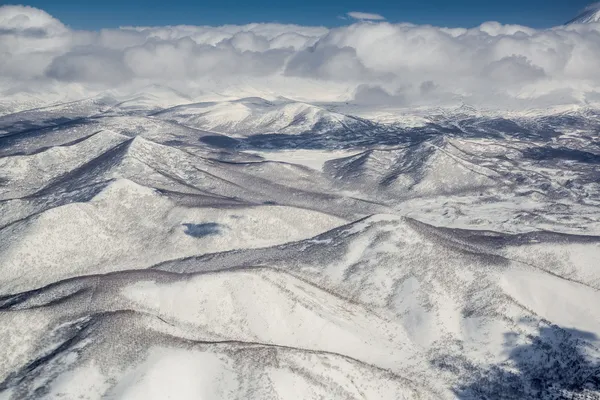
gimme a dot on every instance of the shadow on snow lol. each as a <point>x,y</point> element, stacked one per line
<point>552,365</point>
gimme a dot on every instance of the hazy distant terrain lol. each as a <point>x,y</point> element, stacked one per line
<point>264,246</point>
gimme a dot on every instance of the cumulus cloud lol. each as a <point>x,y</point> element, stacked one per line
<point>492,65</point>
<point>92,65</point>
<point>376,96</point>
<point>365,16</point>
<point>29,21</point>
<point>327,63</point>
<point>513,70</point>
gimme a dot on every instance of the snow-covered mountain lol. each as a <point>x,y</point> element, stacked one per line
<point>259,116</point>
<point>591,15</point>
<point>155,247</point>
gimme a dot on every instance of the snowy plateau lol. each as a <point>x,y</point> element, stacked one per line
<point>257,245</point>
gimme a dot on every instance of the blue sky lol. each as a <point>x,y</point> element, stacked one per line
<point>89,14</point>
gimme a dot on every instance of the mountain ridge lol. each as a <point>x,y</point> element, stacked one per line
<point>591,15</point>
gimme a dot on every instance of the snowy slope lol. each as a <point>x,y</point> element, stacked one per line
<point>125,221</point>
<point>259,116</point>
<point>431,167</point>
<point>590,16</point>
<point>418,314</point>
<point>152,246</point>
<point>174,315</point>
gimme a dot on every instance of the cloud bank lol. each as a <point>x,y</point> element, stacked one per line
<point>492,65</point>
<point>365,16</point>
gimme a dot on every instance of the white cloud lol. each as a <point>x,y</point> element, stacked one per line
<point>328,63</point>
<point>365,16</point>
<point>29,21</point>
<point>90,65</point>
<point>513,70</point>
<point>492,65</point>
